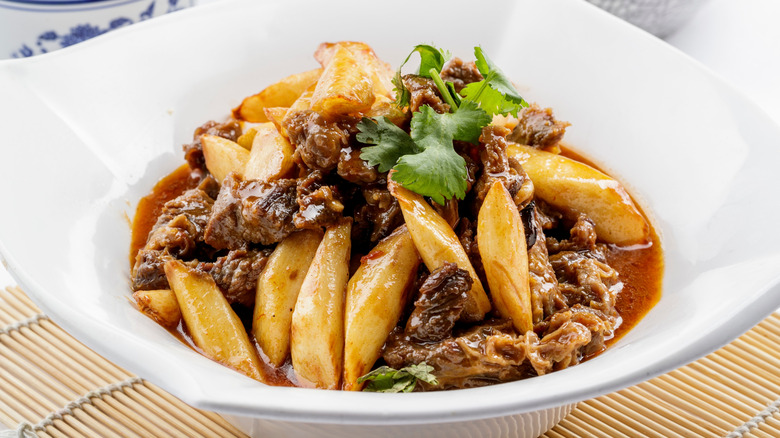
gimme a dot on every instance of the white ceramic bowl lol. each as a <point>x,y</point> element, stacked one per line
<point>81,146</point>
<point>34,27</point>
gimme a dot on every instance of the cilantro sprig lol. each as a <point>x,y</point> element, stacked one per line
<point>386,379</point>
<point>424,159</point>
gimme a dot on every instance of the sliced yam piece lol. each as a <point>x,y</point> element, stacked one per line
<point>437,243</point>
<point>574,188</point>
<point>317,334</point>
<point>160,305</point>
<point>279,94</point>
<point>376,295</point>
<point>213,325</point>
<point>502,246</point>
<point>223,156</point>
<point>271,156</point>
<point>345,86</point>
<point>277,292</point>
<point>381,72</point>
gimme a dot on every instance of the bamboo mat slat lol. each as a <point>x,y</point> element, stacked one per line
<point>56,387</point>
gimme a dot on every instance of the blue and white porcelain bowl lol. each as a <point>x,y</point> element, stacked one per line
<point>34,27</point>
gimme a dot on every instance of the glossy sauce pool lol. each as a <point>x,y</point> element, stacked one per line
<point>640,267</point>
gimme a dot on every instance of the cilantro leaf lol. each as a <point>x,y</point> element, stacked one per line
<point>438,171</point>
<point>496,78</point>
<point>489,100</point>
<point>386,379</point>
<point>391,143</point>
<point>430,58</point>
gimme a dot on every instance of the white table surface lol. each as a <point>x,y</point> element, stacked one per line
<point>739,40</point>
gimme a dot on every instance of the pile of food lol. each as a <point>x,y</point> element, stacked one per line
<point>352,227</point>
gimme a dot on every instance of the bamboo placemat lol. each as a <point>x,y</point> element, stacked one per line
<point>53,386</point>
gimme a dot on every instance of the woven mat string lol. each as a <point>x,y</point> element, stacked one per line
<point>28,430</point>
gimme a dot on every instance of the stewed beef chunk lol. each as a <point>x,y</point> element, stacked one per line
<point>538,128</point>
<point>440,304</point>
<point>318,141</point>
<point>252,211</point>
<point>236,274</point>
<point>321,205</point>
<point>354,169</point>
<point>193,152</point>
<point>460,73</point>
<point>424,92</point>
<point>380,214</point>
<point>176,234</point>
<point>496,166</point>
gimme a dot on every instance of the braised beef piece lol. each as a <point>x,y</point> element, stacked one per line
<point>496,166</point>
<point>538,128</point>
<point>546,296</point>
<point>177,234</point>
<point>193,152</point>
<point>318,141</point>
<point>600,325</point>
<point>236,274</point>
<point>460,73</point>
<point>252,212</point>
<point>582,237</point>
<point>467,234</point>
<point>353,169</point>
<point>485,354</point>
<point>440,304</point>
<point>378,216</point>
<point>424,92</point>
<point>321,205</point>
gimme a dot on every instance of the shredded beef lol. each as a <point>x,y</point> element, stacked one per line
<point>483,355</point>
<point>546,296</point>
<point>582,237</point>
<point>440,304</point>
<point>252,211</point>
<point>177,234</point>
<point>424,92</point>
<point>320,204</point>
<point>460,73</point>
<point>236,274</point>
<point>538,128</point>
<point>467,234</point>
<point>193,152</point>
<point>318,141</point>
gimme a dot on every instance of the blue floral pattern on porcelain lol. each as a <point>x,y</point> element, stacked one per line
<point>51,40</point>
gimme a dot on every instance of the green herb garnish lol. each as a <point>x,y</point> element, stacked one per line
<point>386,379</point>
<point>425,160</point>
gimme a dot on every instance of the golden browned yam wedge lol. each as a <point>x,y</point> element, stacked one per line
<point>271,156</point>
<point>376,295</point>
<point>277,291</point>
<point>223,156</point>
<point>437,243</point>
<point>282,93</point>
<point>276,115</point>
<point>502,246</point>
<point>160,305</point>
<point>576,188</point>
<point>381,72</point>
<point>345,86</point>
<point>210,320</point>
<point>317,335</point>
<point>246,139</point>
